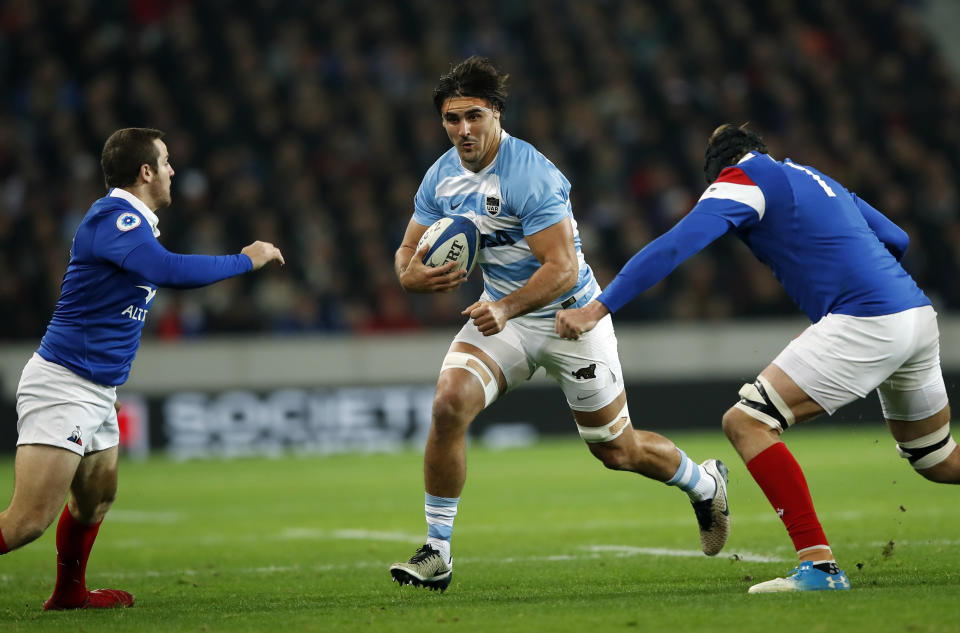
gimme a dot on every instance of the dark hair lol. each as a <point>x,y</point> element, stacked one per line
<point>727,145</point>
<point>473,77</point>
<point>125,152</point>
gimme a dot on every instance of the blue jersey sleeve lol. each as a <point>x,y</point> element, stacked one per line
<point>171,270</point>
<point>890,235</point>
<point>125,240</point>
<point>115,234</point>
<point>536,190</point>
<point>658,258</point>
<point>735,197</point>
<point>426,210</point>
<point>544,201</point>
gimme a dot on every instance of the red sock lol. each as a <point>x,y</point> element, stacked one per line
<point>74,541</point>
<point>3,545</point>
<point>780,478</point>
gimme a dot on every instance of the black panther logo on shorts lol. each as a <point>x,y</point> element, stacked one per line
<point>586,372</point>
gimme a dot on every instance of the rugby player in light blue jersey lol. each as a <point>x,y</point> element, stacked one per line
<point>66,400</point>
<point>532,266</point>
<point>873,328</point>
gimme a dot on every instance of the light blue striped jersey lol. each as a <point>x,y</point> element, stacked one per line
<point>518,194</point>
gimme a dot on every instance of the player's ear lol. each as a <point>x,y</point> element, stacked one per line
<point>146,172</point>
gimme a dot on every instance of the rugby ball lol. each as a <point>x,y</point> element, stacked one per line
<point>451,239</point>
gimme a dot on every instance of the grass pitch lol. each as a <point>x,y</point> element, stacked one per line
<point>546,540</point>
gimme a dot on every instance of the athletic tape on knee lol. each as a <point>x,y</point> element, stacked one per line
<point>608,432</point>
<point>476,367</point>
<point>929,450</point>
<point>762,402</point>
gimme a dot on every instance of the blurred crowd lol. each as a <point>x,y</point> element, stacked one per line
<point>310,124</point>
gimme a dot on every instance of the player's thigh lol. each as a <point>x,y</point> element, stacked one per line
<point>504,354</point>
<point>587,369</point>
<point>608,431</point>
<point>905,431</point>
<point>59,408</point>
<point>42,477</point>
<point>799,401</point>
<point>914,397</point>
<point>602,416</point>
<point>474,372</point>
<point>841,359</point>
<point>94,484</point>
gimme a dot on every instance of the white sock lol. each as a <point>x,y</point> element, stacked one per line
<point>441,546</point>
<point>693,479</point>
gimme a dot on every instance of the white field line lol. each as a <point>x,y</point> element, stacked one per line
<point>592,552</point>
<point>630,550</point>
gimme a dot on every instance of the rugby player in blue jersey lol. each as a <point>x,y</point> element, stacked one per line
<point>532,266</point>
<point>873,328</point>
<point>66,399</point>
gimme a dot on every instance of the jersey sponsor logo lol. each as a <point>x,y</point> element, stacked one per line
<point>137,314</point>
<point>128,221</point>
<point>454,206</point>
<point>493,206</point>
<point>497,238</point>
<point>151,292</point>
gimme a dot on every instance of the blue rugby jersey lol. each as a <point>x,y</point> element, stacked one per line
<point>116,265</point>
<point>518,194</point>
<point>832,251</point>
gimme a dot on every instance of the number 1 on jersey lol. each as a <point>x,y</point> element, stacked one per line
<point>816,177</point>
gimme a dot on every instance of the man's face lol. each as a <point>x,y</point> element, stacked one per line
<point>474,129</point>
<point>160,185</point>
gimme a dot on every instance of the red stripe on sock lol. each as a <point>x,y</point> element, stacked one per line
<point>74,542</point>
<point>3,545</point>
<point>781,479</point>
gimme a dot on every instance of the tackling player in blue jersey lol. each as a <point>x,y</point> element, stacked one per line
<point>873,328</point>
<point>532,266</point>
<point>66,399</point>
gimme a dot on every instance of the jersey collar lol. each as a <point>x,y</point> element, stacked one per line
<point>138,204</point>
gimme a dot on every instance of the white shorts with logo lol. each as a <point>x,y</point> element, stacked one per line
<point>59,408</point>
<point>587,369</point>
<point>842,358</point>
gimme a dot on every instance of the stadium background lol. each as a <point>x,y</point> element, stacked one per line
<point>310,125</point>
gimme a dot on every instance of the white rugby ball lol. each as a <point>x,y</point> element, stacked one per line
<point>451,239</point>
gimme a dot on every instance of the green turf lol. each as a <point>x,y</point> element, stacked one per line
<point>546,540</point>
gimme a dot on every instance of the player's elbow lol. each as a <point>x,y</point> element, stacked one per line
<point>900,245</point>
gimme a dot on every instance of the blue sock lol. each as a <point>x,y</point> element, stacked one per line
<point>692,479</point>
<point>440,512</point>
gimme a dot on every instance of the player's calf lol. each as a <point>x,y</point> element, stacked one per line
<point>17,531</point>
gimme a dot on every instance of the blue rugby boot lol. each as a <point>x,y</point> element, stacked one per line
<point>805,577</point>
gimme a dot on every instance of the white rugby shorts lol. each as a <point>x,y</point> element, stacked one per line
<point>587,369</point>
<point>59,408</point>
<point>841,358</point>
